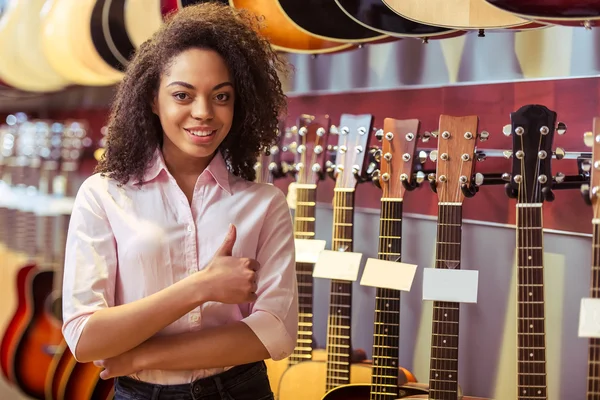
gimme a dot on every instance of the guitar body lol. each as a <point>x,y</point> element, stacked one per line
<point>16,325</point>
<point>32,359</point>
<point>559,12</point>
<point>275,369</point>
<point>459,14</point>
<point>142,19</point>
<point>363,391</point>
<point>307,380</point>
<point>283,34</point>
<point>376,16</point>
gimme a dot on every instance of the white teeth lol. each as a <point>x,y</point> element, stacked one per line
<point>201,133</point>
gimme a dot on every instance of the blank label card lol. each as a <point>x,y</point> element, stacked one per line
<point>456,285</point>
<point>388,274</point>
<point>589,318</point>
<point>337,265</point>
<point>308,250</point>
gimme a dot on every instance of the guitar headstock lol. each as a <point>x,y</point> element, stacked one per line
<point>268,163</point>
<point>591,192</point>
<point>399,145</point>
<point>311,138</point>
<point>354,134</point>
<point>457,141</point>
<point>532,128</point>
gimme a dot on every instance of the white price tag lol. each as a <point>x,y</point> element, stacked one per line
<point>308,250</point>
<point>337,265</point>
<point>388,274</point>
<point>456,285</point>
<point>589,318</point>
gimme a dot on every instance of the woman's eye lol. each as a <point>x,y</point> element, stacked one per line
<point>222,97</point>
<point>180,96</point>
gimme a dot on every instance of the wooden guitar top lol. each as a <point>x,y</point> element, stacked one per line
<point>457,14</point>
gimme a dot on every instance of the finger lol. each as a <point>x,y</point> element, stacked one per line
<point>104,375</point>
<point>226,248</point>
<point>99,363</point>
<point>254,265</point>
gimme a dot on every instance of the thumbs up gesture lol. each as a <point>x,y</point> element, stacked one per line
<point>229,279</point>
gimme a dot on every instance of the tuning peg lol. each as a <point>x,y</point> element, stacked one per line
<point>481,156</point>
<point>548,194</point>
<point>371,168</point>
<point>479,179</point>
<point>356,172</point>
<point>420,177</point>
<point>585,193</point>
<point>507,130</point>
<point>559,153</point>
<point>432,182</point>
<point>509,190</point>
<point>483,136</point>
<point>334,130</point>
<point>559,178</point>
<point>586,166</point>
<point>435,133</point>
<point>375,178</point>
<point>588,139</point>
<point>506,177</point>
<point>426,136</point>
<point>379,134</point>
<point>433,155</point>
<point>507,154</point>
<point>561,128</point>
<point>330,169</point>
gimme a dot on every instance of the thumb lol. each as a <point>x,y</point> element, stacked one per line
<point>227,246</point>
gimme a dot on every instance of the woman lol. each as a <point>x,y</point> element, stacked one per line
<point>180,273</point>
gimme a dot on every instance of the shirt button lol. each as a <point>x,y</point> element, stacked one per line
<point>189,228</point>
<point>194,318</point>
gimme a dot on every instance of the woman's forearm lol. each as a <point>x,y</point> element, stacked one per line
<point>115,330</point>
<point>222,346</point>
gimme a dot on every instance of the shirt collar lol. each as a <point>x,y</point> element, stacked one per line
<point>217,169</point>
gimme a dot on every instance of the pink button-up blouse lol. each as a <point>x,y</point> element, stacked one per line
<point>125,243</point>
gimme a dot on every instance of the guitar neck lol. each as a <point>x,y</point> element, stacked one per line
<point>593,389</point>
<point>384,382</point>
<point>531,341</point>
<point>304,228</point>
<point>443,379</point>
<point>339,344</point>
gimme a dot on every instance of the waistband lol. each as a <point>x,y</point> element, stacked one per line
<point>204,386</point>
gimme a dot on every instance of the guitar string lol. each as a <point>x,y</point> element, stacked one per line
<point>540,301</point>
<point>523,279</point>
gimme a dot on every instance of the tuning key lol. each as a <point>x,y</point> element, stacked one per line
<point>334,130</point>
<point>507,130</point>
<point>481,156</point>
<point>559,153</point>
<point>588,139</point>
<point>483,136</point>
<point>379,134</point>
<point>560,177</point>
<point>425,137</point>
<point>506,177</point>
<point>479,179</point>
<point>420,176</point>
<point>422,156</point>
<point>507,154</point>
<point>561,129</point>
<point>433,155</point>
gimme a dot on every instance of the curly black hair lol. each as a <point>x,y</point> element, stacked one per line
<point>135,132</point>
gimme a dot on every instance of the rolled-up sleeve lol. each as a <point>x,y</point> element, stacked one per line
<point>90,262</point>
<point>274,315</point>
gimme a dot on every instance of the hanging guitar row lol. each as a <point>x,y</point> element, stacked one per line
<point>396,167</point>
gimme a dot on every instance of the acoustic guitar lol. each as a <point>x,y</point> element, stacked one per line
<point>453,182</point>
<point>590,193</point>
<point>312,379</point>
<point>559,12</point>
<point>310,146</point>
<point>532,129</point>
<point>283,34</point>
<point>68,47</point>
<point>142,19</point>
<point>26,70</point>
<point>326,20</point>
<point>395,177</point>
<point>374,15</point>
<point>459,14</point>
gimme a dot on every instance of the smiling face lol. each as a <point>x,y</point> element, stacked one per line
<point>195,105</point>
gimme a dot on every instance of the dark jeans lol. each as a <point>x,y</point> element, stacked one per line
<point>244,382</point>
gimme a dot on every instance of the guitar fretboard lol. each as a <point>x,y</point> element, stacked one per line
<point>593,380</point>
<point>531,344</point>
<point>443,378</point>
<point>384,381</point>
<point>339,345</point>
<point>304,228</point>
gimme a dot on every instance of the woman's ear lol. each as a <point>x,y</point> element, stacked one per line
<point>153,105</point>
